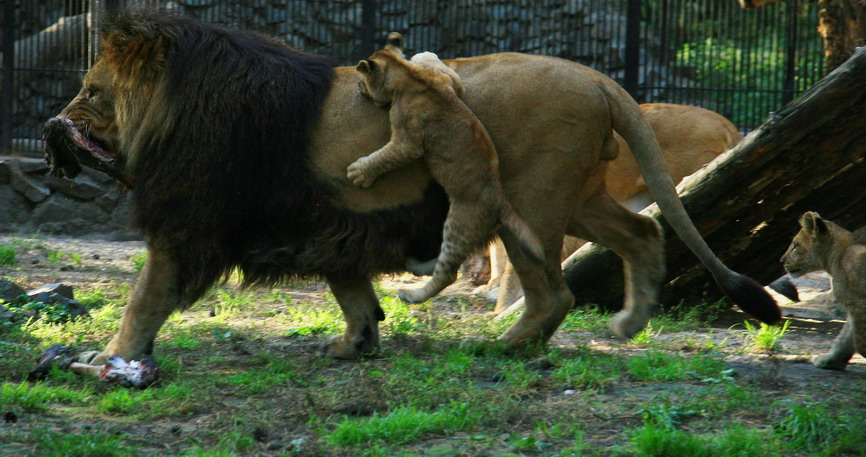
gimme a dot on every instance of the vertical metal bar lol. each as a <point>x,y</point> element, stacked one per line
<point>791,59</point>
<point>632,47</point>
<point>368,28</point>
<point>8,74</point>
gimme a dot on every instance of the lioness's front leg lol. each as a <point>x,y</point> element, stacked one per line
<point>842,350</point>
<point>361,310</point>
<point>156,295</point>
<point>397,153</point>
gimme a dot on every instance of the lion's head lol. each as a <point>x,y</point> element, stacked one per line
<point>803,255</point>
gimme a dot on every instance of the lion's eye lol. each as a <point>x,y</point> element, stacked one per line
<point>794,246</point>
<point>91,92</point>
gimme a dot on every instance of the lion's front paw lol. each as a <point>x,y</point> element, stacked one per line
<point>627,324</point>
<point>338,348</point>
<point>358,173</point>
<point>829,362</point>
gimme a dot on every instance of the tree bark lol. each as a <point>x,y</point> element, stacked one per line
<point>808,156</point>
<point>841,24</point>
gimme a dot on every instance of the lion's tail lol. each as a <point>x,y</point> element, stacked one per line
<point>629,122</point>
<point>529,243</point>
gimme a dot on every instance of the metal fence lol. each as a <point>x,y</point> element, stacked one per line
<point>742,64</point>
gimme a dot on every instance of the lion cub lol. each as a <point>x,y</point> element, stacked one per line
<point>429,120</point>
<point>823,245</point>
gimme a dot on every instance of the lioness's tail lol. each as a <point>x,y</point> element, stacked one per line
<point>629,122</point>
<point>530,245</point>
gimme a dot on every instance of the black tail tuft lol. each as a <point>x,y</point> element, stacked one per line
<point>751,297</point>
<point>785,287</point>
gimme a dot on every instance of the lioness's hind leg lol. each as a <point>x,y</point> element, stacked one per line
<point>638,240</point>
<point>156,296</point>
<point>842,351</point>
<point>548,299</point>
<point>362,312</point>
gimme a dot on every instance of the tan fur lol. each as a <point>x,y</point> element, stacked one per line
<point>824,246</point>
<point>689,137</point>
<point>429,121</point>
<point>549,120</point>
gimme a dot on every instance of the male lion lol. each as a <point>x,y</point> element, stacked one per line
<point>823,245</point>
<point>237,148</point>
<point>429,120</point>
<point>689,137</point>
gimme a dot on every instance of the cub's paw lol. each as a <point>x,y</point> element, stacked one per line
<point>413,295</point>
<point>829,362</point>
<point>359,174</point>
<point>338,348</point>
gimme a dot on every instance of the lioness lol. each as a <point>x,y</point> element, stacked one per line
<point>689,137</point>
<point>823,245</point>
<point>428,120</point>
<point>236,147</point>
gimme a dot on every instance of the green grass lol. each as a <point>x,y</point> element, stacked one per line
<point>766,338</point>
<point>7,255</point>
<point>661,366</point>
<point>38,396</point>
<point>82,444</point>
<point>588,371</point>
<point>654,440</point>
<point>55,255</point>
<point>404,424</point>
<point>815,428</point>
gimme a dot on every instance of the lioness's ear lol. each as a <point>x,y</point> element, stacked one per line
<point>813,223</point>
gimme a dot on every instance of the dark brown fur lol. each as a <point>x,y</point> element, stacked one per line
<point>226,184</point>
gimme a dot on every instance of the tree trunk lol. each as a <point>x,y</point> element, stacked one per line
<point>842,26</point>
<point>808,156</point>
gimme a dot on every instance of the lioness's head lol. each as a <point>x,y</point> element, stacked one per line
<point>803,255</point>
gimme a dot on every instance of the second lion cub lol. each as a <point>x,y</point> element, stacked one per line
<point>430,121</point>
<point>823,245</point>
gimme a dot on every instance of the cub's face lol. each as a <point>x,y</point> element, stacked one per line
<point>801,256</point>
<point>92,110</point>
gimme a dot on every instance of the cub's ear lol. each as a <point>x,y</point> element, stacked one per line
<point>133,56</point>
<point>813,223</point>
<point>366,67</point>
<point>395,43</point>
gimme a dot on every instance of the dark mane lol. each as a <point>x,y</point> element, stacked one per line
<point>228,184</point>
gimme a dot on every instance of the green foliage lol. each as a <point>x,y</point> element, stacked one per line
<point>814,428</point>
<point>654,440</point>
<point>766,338</point>
<point>7,255</point>
<point>56,255</point>
<point>588,319</point>
<point>138,260</point>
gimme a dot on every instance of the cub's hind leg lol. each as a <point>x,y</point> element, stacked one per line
<point>467,227</point>
<point>638,240</point>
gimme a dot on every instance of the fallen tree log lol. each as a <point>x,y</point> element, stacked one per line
<point>807,157</point>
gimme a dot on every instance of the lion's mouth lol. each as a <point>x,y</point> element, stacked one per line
<point>66,149</point>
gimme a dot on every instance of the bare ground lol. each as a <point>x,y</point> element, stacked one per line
<point>785,375</point>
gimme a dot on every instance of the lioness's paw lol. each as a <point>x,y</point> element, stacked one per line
<point>829,362</point>
<point>627,324</point>
<point>357,173</point>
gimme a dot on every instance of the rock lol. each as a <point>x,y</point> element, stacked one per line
<point>27,186</point>
<point>73,308</point>
<point>14,209</point>
<point>5,172</point>
<point>58,288</point>
<point>11,292</point>
<point>32,165</point>
<point>81,188</point>
<point>5,314</point>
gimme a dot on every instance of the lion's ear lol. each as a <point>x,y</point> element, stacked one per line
<point>813,223</point>
<point>134,56</point>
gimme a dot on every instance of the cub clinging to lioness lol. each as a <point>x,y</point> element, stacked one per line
<point>823,245</point>
<point>430,121</point>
